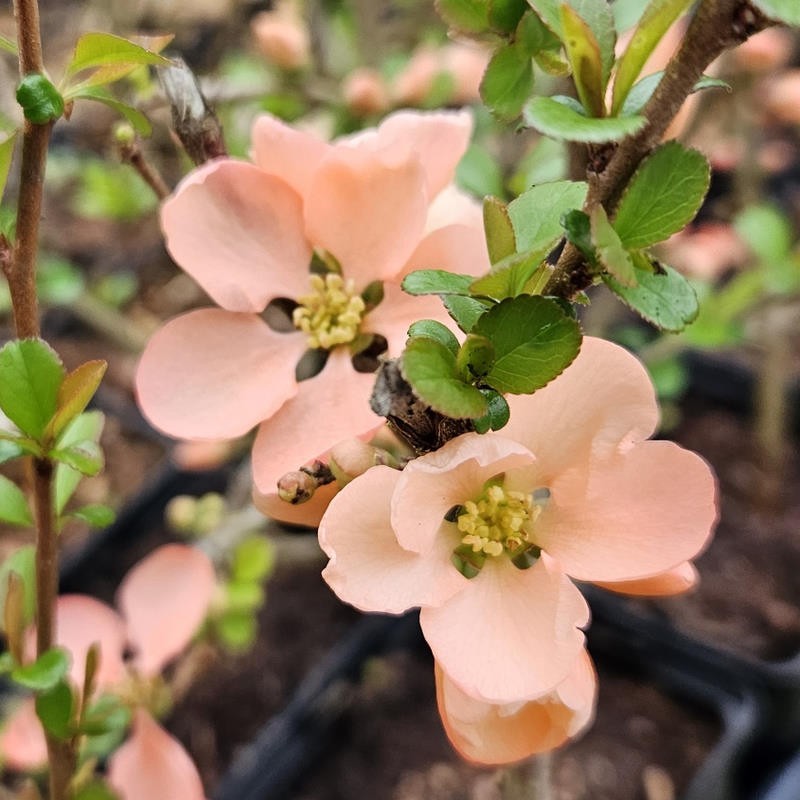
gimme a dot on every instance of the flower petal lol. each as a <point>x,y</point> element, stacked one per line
<point>440,139</point>
<point>455,247</point>
<point>674,581</point>
<point>22,743</point>
<point>368,210</point>
<point>489,733</point>
<point>602,401</point>
<point>307,514</point>
<point>432,484</point>
<point>453,206</point>
<point>153,764</point>
<point>213,374</point>
<point>239,233</point>
<point>287,152</point>
<point>512,634</point>
<point>640,513</point>
<point>368,568</point>
<point>329,407</point>
<point>164,598</point>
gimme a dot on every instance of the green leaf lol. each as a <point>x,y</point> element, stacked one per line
<point>97,94</point>
<point>535,36</point>
<point>22,562</point>
<point>96,514</point>
<point>467,16</point>
<point>59,282</point>
<point>534,341</point>
<point>40,100</point>
<point>95,790</point>
<point>553,118</point>
<point>85,457</point>
<point>475,357</point>
<point>578,228</point>
<point>664,297</point>
<point>431,370</point>
<point>657,18</point>
<point>498,415</point>
<point>583,53</point>
<point>237,630</point>
<point>104,723</point>
<point>253,559</point>
<point>243,596</point>
<point>508,81</point>
<point>612,255</point>
<point>54,708</point>
<point>500,238</point>
<point>766,231</point>
<point>479,173</point>
<point>545,162</point>
<point>787,11</point>
<point>30,376</point>
<point>663,195</point>
<point>536,214</point>
<point>504,15</point>
<point>50,668</point>
<point>669,377</point>
<point>76,390</point>
<point>104,49</point>
<point>9,45</point>
<point>642,91</point>
<point>88,426</point>
<point>627,13</point>
<point>6,153</point>
<point>9,451</point>
<point>13,504</point>
<point>466,311</point>
<point>511,276</point>
<point>432,329</point>
<point>436,281</point>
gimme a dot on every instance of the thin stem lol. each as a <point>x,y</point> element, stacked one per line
<point>529,780</point>
<point>716,26</point>
<point>131,153</point>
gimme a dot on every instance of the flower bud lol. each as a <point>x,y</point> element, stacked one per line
<point>296,487</point>
<point>282,37</point>
<point>365,93</point>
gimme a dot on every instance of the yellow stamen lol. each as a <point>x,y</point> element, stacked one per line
<point>331,314</point>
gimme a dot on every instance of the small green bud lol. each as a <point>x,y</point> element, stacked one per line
<point>39,99</point>
<point>124,134</point>
<point>475,357</point>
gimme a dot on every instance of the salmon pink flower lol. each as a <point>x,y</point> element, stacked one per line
<point>368,209</point>
<point>487,534</point>
<point>163,600</point>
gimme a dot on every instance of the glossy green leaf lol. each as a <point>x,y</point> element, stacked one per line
<point>664,297</point>
<point>663,195</point>
<point>512,276</point>
<point>654,23</point>
<point>6,153</point>
<point>498,415</point>
<point>508,81</point>
<point>30,376</point>
<point>626,13</point>
<point>642,91</point>
<point>85,457</point>
<point>475,357</point>
<point>535,36</point>
<point>55,708</point>
<point>87,427</point>
<point>431,370</point>
<point>554,118</point>
<point>41,102</point>
<point>105,724</point>
<point>436,281</point>
<point>500,238</point>
<point>74,394</point>
<point>504,15</point>
<point>466,311</point>
<point>787,11</point>
<point>610,252</point>
<point>97,94</point>
<point>536,214</point>
<point>253,559</point>
<point>467,16</point>
<point>9,451</point>
<point>13,504</point>
<point>44,673</point>
<point>95,50</point>
<point>583,53</point>
<point>534,341</point>
<point>22,562</point>
<point>432,329</point>
<point>96,514</point>
<point>578,228</point>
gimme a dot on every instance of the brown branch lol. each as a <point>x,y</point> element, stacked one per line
<point>716,26</point>
<point>131,153</point>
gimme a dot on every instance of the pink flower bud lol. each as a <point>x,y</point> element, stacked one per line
<point>783,96</point>
<point>365,92</point>
<point>282,37</point>
<point>296,487</point>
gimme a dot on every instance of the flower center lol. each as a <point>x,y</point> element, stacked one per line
<point>331,313</point>
<point>498,522</point>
